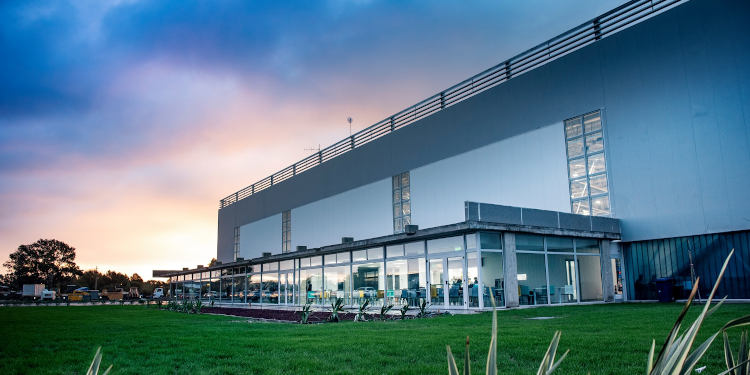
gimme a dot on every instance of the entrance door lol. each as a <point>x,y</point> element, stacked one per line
<point>447,281</point>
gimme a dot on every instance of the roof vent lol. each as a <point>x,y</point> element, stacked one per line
<point>239,259</point>
<point>301,248</point>
<point>199,266</point>
<point>266,254</point>
<point>184,268</point>
<point>411,228</point>
<point>217,263</point>
<point>347,239</point>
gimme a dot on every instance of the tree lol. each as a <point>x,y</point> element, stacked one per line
<point>91,279</point>
<point>49,262</point>
<point>212,262</point>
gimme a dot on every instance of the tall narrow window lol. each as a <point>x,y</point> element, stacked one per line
<point>286,231</point>
<point>236,242</point>
<point>401,202</point>
<point>587,169</point>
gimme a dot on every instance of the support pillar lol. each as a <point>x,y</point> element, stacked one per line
<point>608,288</point>
<point>510,270</point>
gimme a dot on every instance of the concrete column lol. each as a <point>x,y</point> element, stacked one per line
<point>608,288</point>
<point>510,270</point>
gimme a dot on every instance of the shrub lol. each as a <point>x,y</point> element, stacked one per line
<point>361,313</point>
<point>197,307</point>
<point>423,306</point>
<point>384,310</point>
<point>304,313</point>
<point>404,309</point>
<point>336,307</point>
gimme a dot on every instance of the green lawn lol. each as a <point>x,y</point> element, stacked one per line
<point>603,339</point>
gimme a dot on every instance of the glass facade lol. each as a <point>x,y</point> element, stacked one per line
<point>401,202</point>
<point>463,271</point>
<point>683,259</point>
<point>587,168</point>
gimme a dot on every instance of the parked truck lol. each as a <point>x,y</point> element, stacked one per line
<point>32,291</point>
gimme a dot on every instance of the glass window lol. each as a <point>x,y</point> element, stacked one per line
<point>532,279</point>
<point>490,240</point>
<point>600,205</point>
<point>575,147</point>
<point>591,278</point>
<point>401,202</point>
<point>394,251</point>
<point>375,253</point>
<point>274,266</point>
<point>573,127</point>
<point>585,245</point>
<point>579,188</point>
<point>592,122</point>
<point>337,284</point>
<point>562,278</point>
<point>330,259</point>
<point>406,281</point>
<point>472,277</point>
<point>560,245</point>
<point>316,261</point>
<point>270,288</point>
<point>587,171</point>
<point>447,244</point>
<point>253,288</point>
<point>311,286</point>
<point>359,255</point>
<point>471,241</point>
<point>596,164</point>
<point>342,257</point>
<point>493,282</point>
<point>581,207</point>
<point>598,184</point>
<point>529,242</point>
<point>414,248</point>
<point>304,262</point>
<point>577,168</point>
<point>368,283</point>
<point>286,264</point>
<point>594,142</point>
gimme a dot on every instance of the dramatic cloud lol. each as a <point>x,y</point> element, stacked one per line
<point>122,123</point>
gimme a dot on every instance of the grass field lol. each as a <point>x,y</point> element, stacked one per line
<point>603,339</point>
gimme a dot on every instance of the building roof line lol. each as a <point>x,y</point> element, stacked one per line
<point>569,41</point>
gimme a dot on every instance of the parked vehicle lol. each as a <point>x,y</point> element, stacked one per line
<point>80,295</point>
<point>32,291</point>
<point>116,295</point>
<point>48,295</point>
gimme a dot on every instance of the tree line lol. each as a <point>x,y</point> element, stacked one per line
<point>52,263</point>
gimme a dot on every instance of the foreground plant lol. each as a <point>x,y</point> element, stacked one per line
<point>304,314</point>
<point>547,366</point>
<point>361,313</point>
<point>675,356</point>
<point>197,307</point>
<point>94,367</point>
<point>423,305</point>
<point>384,310</point>
<point>740,365</point>
<point>336,307</point>
<point>404,309</point>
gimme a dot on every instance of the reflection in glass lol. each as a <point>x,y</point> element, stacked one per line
<point>492,279</point>
<point>560,244</point>
<point>575,148</point>
<point>600,205</point>
<point>337,284</point>
<point>591,278</point>
<point>529,242</point>
<point>573,127</point>
<point>406,281</point>
<point>414,248</point>
<point>253,288</point>
<point>595,164</point>
<point>270,291</point>
<point>437,297</point>
<point>581,207</point>
<point>562,278</point>
<point>368,283</point>
<point>532,279</point>
<point>598,184</point>
<point>586,245</point>
<point>576,168</point>
<point>394,251</point>
<point>592,122</point>
<point>311,286</point>
<point>447,244</point>
<point>578,188</point>
<point>594,143</point>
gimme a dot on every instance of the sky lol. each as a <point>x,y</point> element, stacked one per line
<point>122,123</point>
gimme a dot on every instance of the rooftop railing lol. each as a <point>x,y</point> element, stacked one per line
<point>567,42</point>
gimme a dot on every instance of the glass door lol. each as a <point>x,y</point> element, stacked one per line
<point>455,282</point>
<point>437,281</point>
<point>447,282</point>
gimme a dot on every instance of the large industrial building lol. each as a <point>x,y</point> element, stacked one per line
<point>581,170</point>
